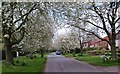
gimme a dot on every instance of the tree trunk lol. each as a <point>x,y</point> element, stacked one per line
<point>81,48</point>
<point>9,56</point>
<point>113,50</point>
<point>113,47</point>
<point>42,52</point>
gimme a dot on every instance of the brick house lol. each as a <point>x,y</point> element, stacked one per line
<point>103,44</point>
<point>118,41</point>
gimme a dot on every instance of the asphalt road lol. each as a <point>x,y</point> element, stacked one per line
<point>58,63</point>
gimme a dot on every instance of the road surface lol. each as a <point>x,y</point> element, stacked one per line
<point>58,63</point>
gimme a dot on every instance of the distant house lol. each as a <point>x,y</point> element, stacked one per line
<point>102,44</point>
<point>118,41</point>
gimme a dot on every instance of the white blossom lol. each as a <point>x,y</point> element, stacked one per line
<point>8,25</point>
<point>6,36</point>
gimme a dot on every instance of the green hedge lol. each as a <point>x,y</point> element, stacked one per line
<point>91,48</point>
<point>99,52</point>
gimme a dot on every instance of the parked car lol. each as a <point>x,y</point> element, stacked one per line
<point>58,52</point>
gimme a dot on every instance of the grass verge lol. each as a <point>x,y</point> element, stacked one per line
<point>93,60</point>
<point>24,64</point>
<point>0,67</point>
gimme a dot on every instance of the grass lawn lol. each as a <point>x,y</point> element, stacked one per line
<point>0,67</point>
<point>94,60</point>
<point>30,65</point>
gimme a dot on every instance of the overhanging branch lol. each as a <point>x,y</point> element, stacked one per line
<point>117,20</point>
<point>92,23</point>
<point>118,27</point>
<point>118,32</point>
<point>95,25</point>
<point>22,36</point>
<point>25,15</point>
<point>97,11</point>
<point>91,33</point>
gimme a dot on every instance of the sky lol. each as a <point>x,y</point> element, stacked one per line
<point>61,32</point>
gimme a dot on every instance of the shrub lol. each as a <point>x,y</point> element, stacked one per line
<point>22,53</point>
<point>74,54</point>
<point>27,55</point>
<point>87,49</point>
<point>17,61</point>
<point>31,57</point>
<point>35,56</point>
<point>118,51</point>
<point>80,54</point>
<point>63,52</point>
<point>77,50</point>
<point>92,48</point>
<point>107,54</point>
<point>104,58</point>
<point>96,48</point>
<point>71,51</point>
<point>118,59</point>
<point>98,52</point>
<point>23,64</point>
<point>94,52</point>
<point>103,52</point>
<point>107,51</point>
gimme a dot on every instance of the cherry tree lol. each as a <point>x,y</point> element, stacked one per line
<point>39,31</point>
<point>93,18</point>
<point>102,17</point>
<point>14,17</point>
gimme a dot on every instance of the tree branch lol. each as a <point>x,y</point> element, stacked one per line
<point>109,19</point>
<point>95,25</point>
<point>91,33</point>
<point>26,13</point>
<point>102,19</point>
<point>117,20</point>
<point>23,17</point>
<point>118,32</point>
<point>118,27</point>
<point>22,36</point>
<point>92,23</point>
